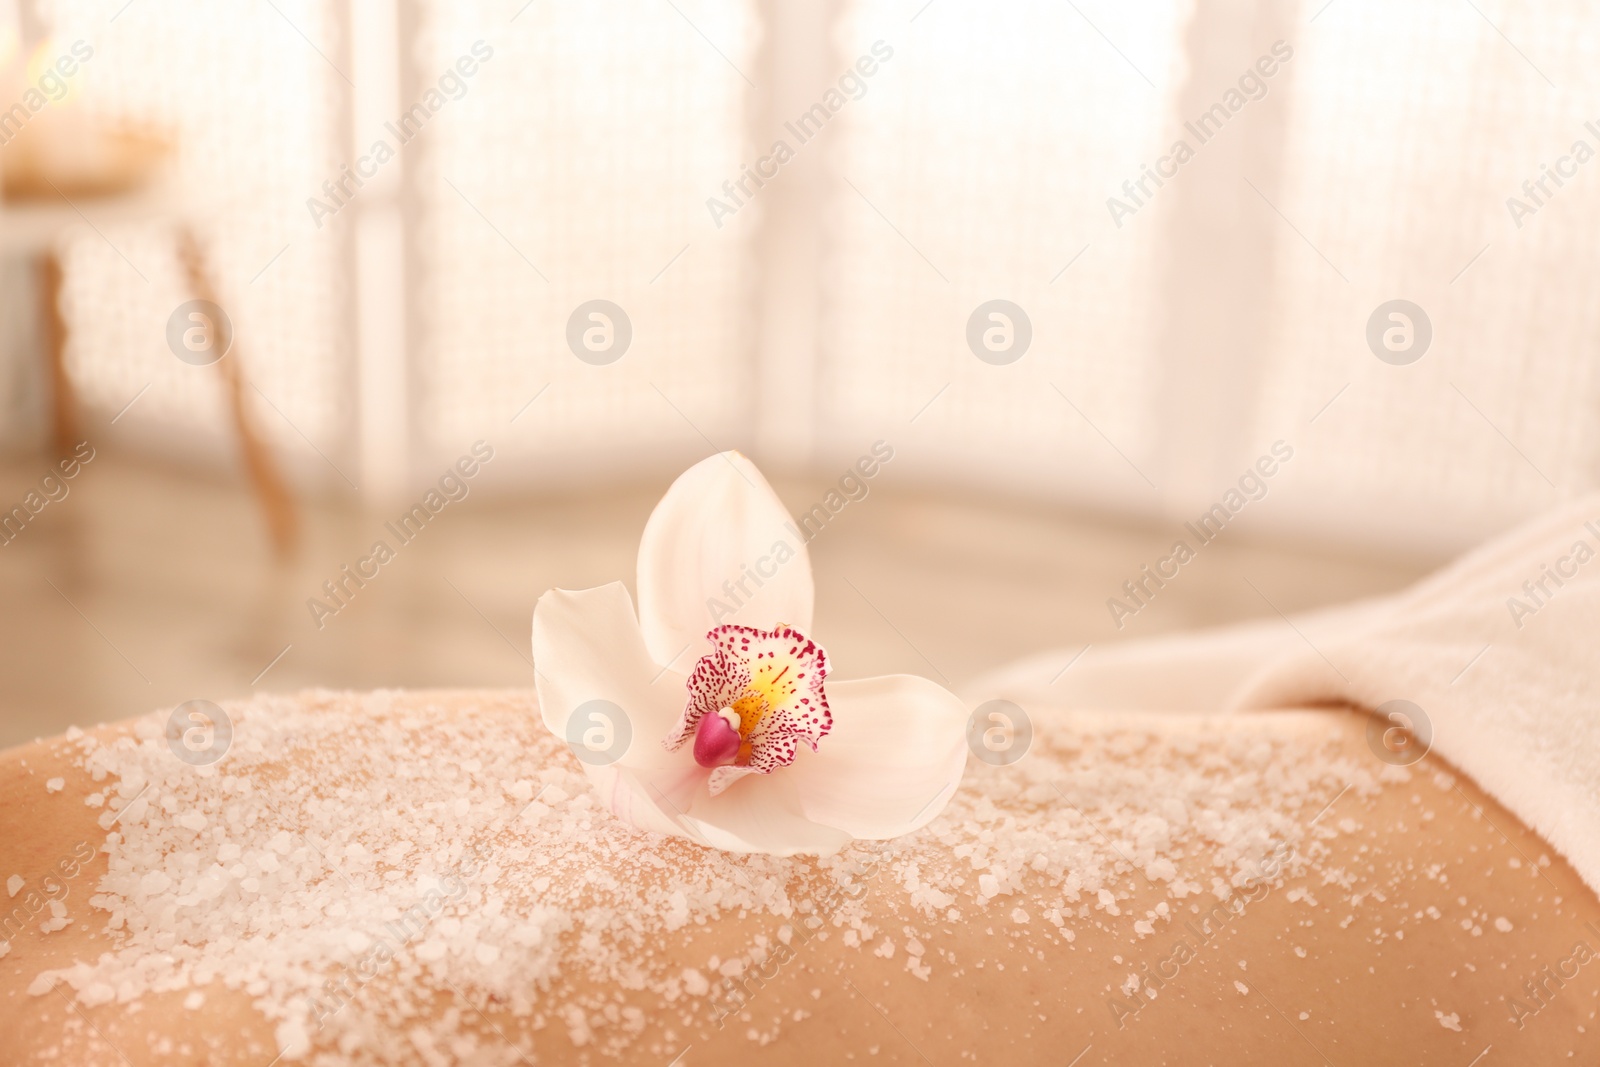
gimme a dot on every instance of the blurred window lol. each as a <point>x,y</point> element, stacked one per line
<point>592,280</point>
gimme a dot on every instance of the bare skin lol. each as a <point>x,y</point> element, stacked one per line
<point>1019,995</point>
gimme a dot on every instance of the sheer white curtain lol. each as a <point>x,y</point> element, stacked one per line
<point>976,168</point>
<point>1413,125</point>
<point>575,169</point>
<point>1366,154</point>
<point>964,154</point>
<point>429,304</point>
<point>253,97</point>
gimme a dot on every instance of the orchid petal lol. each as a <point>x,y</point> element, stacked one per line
<point>651,800</point>
<point>720,547</point>
<point>892,761</point>
<point>762,814</point>
<point>586,647</point>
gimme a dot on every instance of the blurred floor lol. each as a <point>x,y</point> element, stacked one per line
<point>144,588</point>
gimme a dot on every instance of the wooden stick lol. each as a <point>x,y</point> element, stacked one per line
<point>63,400</point>
<point>277,503</point>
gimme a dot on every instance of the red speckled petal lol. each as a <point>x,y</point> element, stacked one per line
<point>773,679</point>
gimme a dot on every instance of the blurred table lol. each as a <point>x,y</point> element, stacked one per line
<point>32,227</point>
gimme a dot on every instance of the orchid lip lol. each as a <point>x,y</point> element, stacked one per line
<point>716,741</point>
<point>752,701</point>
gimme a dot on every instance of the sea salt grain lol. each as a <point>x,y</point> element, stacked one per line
<point>58,918</point>
<point>55,785</point>
<point>14,885</point>
<point>337,819</point>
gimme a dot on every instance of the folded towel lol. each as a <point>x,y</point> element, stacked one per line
<point>1500,650</point>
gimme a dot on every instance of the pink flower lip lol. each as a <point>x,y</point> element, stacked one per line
<point>716,742</point>
<point>764,690</point>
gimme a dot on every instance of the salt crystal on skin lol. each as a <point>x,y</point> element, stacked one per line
<point>55,785</point>
<point>14,884</point>
<point>336,813</point>
<point>292,1039</point>
<point>1243,989</point>
<point>1449,1022</point>
<point>1503,924</point>
<point>97,993</point>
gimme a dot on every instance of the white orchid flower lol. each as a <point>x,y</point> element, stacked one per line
<point>749,746</point>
